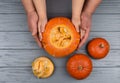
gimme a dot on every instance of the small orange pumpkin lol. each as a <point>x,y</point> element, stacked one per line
<point>60,37</point>
<point>98,48</point>
<point>79,66</point>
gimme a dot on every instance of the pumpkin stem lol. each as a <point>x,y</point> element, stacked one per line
<point>80,67</point>
<point>102,45</point>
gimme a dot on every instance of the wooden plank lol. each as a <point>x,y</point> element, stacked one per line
<point>63,7</point>
<point>107,6</point>
<point>15,58</point>
<point>24,40</point>
<point>20,75</point>
<point>18,22</point>
<point>13,22</point>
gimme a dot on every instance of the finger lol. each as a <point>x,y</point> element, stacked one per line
<point>82,33</point>
<point>77,28</point>
<point>34,32</point>
<point>40,33</point>
<point>30,25</point>
<point>84,27</point>
<point>37,40</point>
<point>84,39</point>
<point>33,28</point>
<point>43,27</point>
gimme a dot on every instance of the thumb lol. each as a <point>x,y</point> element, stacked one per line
<point>43,27</point>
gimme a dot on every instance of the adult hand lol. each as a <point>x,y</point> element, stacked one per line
<point>32,18</point>
<point>86,19</point>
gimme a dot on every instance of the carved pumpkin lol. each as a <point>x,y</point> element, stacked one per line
<point>98,48</point>
<point>79,66</point>
<point>60,37</point>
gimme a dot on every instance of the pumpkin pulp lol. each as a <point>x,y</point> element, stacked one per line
<point>60,36</point>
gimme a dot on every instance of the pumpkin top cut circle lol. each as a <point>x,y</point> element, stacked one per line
<point>60,37</point>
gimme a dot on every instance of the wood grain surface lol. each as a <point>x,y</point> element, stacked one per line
<point>18,48</point>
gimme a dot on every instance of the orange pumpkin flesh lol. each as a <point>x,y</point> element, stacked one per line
<point>98,48</point>
<point>79,66</point>
<point>60,37</point>
<point>42,67</point>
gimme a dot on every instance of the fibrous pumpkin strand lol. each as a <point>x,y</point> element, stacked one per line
<point>42,67</point>
<point>61,36</point>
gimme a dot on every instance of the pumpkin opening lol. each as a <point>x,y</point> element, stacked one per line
<point>60,36</point>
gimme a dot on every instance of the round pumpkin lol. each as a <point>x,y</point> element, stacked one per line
<point>42,67</point>
<point>98,48</point>
<point>60,37</point>
<point>79,66</point>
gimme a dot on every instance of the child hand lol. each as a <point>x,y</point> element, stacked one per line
<point>86,20</point>
<point>32,18</point>
<point>77,22</point>
<point>41,26</point>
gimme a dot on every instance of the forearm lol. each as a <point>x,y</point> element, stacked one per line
<point>91,5</point>
<point>40,6</point>
<point>28,5</point>
<point>77,6</point>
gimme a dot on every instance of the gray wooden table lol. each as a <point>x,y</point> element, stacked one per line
<point>18,48</point>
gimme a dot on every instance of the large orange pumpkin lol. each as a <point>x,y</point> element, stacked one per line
<point>98,48</point>
<point>79,66</point>
<point>60,37</point>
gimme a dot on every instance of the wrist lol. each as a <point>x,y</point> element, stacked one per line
<point>41,19</point>
<point>30,12</point>
<point>75,17</point>
<point>42,16</point>
<point>87,13</point>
